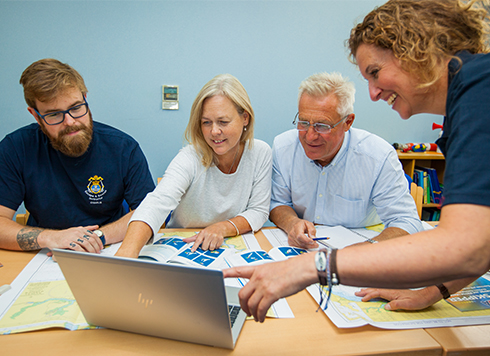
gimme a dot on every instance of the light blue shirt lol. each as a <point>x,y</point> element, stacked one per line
<point>364,184</point>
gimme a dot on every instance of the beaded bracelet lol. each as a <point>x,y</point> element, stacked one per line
<point>335,274</point>
<point>332,276</point>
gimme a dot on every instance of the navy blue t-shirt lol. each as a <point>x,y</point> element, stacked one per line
<point>466,137</point>
<point>61,191</point>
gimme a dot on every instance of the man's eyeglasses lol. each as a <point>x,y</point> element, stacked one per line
<point>55,118</point>
<point>318,126</point>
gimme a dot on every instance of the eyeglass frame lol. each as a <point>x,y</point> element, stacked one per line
<point>64,112</point>
<point>316,124</point>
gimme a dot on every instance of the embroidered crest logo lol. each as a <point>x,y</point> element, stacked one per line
<point>95,189</point>
<point>95,184</point>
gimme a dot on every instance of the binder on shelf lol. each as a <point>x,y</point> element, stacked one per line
<point>426,188</point>
<point>436,189</point>
<point>418,177</point>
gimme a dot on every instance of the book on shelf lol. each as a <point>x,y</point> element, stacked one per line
<point>431,214</point>
<point>432,187</point>
<point>421,180</point>
<point>175,250</point>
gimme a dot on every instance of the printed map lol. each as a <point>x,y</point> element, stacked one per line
<point>346,310</point>
<point>42,305</point>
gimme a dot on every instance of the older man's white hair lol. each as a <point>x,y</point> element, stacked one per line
<point>324,84</point>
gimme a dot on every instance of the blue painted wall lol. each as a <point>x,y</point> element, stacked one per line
<point>126,50</point>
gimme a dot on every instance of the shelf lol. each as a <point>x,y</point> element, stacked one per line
<point>410,160</point>
<point>424,159</point>
<point>431,205</point>
<point>420,155</point>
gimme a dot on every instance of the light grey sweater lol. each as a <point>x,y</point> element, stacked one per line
<point>198,197</point>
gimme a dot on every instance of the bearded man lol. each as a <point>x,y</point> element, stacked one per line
<point>74,175</point>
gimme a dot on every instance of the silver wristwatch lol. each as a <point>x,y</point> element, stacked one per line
<point>101,235</point>
<point>321,266</point>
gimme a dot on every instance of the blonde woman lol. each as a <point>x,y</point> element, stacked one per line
<point>219,182</point>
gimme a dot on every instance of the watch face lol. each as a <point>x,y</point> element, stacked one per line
<point>98,233</point>
<point>321,261</point>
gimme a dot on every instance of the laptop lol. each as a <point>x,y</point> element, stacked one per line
<point>145,297</point>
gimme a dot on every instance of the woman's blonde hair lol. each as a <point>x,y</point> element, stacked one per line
<point>230,87</point>
<point>424,34</point>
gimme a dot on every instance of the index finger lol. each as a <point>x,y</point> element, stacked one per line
<point>238,272</point>
<point>199,239</point>
<point>91,227</point>
<point>374,293</point>
<point>363,291</point>
<point>307,239</point>
<point>311,230</point>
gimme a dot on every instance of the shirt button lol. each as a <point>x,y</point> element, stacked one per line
<point>318,218</point>
<point>320,195</point>
<point>323,173</point>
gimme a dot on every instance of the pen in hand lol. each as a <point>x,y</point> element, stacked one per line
<point>320,238</point>
<point>317,238</point>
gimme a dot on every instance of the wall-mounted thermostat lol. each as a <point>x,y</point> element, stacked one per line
<point>170,97</point>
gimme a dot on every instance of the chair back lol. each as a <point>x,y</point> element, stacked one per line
<point>417,195</point>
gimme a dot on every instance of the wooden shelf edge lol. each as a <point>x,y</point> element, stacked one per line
<point>420,155</point>
<point>431,205</point>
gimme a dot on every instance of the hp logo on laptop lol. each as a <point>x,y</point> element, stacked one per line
<point>144,301</point>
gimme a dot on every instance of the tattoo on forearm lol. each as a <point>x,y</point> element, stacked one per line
<point>27,238</point>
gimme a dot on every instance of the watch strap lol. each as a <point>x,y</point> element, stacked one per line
<point>445,293</point>
<point>333,267</point>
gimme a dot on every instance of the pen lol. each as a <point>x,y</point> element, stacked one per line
<point>320,238</point>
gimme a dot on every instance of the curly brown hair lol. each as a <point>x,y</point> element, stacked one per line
<point>424,34</point>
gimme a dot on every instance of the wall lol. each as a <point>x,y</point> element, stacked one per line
<point>126,50</point>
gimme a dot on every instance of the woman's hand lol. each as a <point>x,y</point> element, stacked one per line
<point>209,238</point>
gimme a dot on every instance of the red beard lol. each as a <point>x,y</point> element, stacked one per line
<point>72,146</point>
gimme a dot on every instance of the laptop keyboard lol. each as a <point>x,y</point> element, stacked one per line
<point>233,311</point>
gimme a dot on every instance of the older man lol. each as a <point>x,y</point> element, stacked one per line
<point>73,174</point>
<point>326,172</point>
